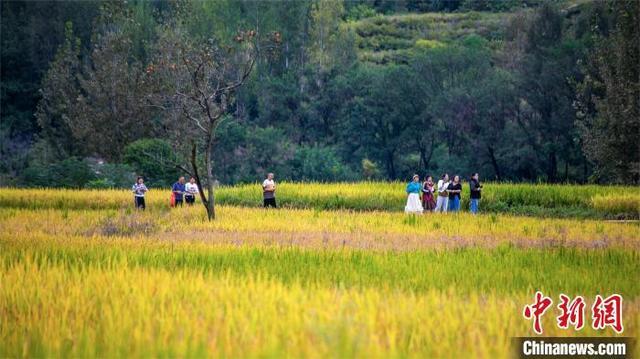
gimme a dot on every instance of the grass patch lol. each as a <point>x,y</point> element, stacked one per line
<point>540,200</point>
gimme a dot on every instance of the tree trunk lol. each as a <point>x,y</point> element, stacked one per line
<point>425,159</point>
<point>422,163</point>
<point>552,170</point>
<point>196,174</point>
<point>211,211</point>
<point>494,163</point>
<point>391,166</point>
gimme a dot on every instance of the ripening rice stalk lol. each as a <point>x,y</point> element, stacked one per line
<point>99,299</point>
<point>623,203</point>
<point>502,270</point>
<point>322,228</point>
<point>84,275</point>
<point>536,199</point>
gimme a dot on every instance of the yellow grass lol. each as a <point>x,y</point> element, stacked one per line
<point>372,228</point>
<point>114,282</point>
<point>531,199</point>
<point>621,203</point>
<point>124,312</point>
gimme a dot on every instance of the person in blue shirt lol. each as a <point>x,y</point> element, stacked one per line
<point>178,190</point>
<point>414,188</point>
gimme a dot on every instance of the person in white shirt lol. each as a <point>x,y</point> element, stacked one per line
<point>269,191</point>
<point>139,190</point>
<point>443,197</point>
<point>191,191</point>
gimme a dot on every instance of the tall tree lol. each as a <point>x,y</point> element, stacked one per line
<point>197,80</point>
<point>100,93</point>
<point>380,111</point>
<point>325,32</point>
<point>495,104</point>
<point>449,80</point>
<point>59,93</point>
<point>545,68</point>
<point>608,104</point>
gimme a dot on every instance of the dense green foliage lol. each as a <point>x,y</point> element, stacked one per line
<point>70,172</point>
<point>153,159</point>
<point>360,89</point>
<point>609,98</point>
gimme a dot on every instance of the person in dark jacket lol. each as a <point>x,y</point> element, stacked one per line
<point>476,192</point>
<point>454,189</point>
<point>178,190</point>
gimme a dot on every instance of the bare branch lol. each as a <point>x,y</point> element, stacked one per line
<point>194,120</point>
<point>167,163</point>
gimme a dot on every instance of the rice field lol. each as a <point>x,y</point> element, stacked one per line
<point>83,275</point>
<point>539,200</point>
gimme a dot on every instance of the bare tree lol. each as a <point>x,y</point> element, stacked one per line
<point>196,81</point>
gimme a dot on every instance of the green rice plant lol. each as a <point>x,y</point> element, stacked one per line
<point>618,204</point>
<point>95,297</point>
<point>84,275</point>
<point>541,200</point>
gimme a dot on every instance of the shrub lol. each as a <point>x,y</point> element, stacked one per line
<point>101,183</point>
<point>71,172</point>
<point>360,11</point>
<point>370,169</point>
<point>319,164</point>
<point>428,44</point>
<point>115,175</point>
<point>153,159</point>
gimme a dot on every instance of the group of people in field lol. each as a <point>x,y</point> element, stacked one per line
<point>183,191</point>
<point>443,196</point>
<point>421,197</point>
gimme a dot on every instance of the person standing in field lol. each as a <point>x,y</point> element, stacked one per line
<point>178,190</point>
<point>454,189</point>
<point>191,191</point>
<point>443,197</point>
<point>414,205</point>
<point>139,189</point>
<point>269,191</point>
<point>476,192</point>
<point>428,202</point>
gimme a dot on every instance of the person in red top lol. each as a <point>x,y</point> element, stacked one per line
<point>428,200</point>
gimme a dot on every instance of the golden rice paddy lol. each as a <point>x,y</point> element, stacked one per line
<point>84,275</point>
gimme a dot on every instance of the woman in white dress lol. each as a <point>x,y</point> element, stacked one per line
<point>414,204</point>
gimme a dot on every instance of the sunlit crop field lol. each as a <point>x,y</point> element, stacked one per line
<point>540,200</point>
<point>83,275</point>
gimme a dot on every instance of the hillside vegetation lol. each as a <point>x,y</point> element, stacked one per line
<point>391,38</point>
<point>517,90</point>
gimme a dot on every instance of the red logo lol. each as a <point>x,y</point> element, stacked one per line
<point>605,312</point>
<point>572,312</point>
<point>608,313</point>
<point>536,310</point>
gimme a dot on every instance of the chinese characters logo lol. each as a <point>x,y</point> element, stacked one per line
<point>605,312</point>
